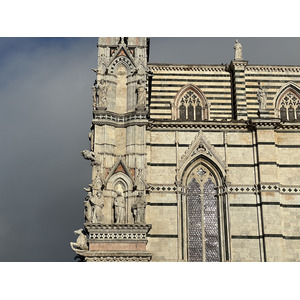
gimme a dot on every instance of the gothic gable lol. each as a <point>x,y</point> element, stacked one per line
<point>120,166</point>
<point>200,147</point>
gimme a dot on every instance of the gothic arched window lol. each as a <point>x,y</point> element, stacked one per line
<point>289,106</point>
<point>190,105</point>
<point>203,216</point>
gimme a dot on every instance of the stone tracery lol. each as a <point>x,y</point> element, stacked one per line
<point>289,107</point>
<point>202,215</point>
<point>190,105</point>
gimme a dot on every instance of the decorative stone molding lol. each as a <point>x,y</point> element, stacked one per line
<point>200,146</point>
<point>116,242</point>
<point>162,188</point>
<point>282,69</point>
<point>120,120</point>
<point>198,125</point>
<point>175,68</point>
<point>118,256</point>
<point>263,187</point>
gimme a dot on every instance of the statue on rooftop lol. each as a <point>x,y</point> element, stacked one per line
<point>238,55</point>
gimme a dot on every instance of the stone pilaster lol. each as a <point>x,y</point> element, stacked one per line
<point>239,88</point>
<point>269,189</point>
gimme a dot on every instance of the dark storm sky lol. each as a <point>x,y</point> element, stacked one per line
<point>45,116</point>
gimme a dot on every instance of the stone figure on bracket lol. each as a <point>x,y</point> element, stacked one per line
<point>141,95</point>
<point>102,65</point>
<point>261,97</point>
<point>94,95</point>
<point>81,243</point>
<point>98,204</point>
<point>88,210</point>
<point>101,93</point>
<point>88,155</point>
<point>97,183</point>
<point>139,208</point>
<point>91,138</point>
<point>119,205</point>
<point>172,105</point>
<point>238,55</point>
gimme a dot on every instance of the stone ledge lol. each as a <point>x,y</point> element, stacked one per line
<point>111,256</point>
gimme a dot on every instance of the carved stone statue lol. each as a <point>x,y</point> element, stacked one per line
<point>88,155</point>
<point>101,93</point>
<point>97,182</point>
<point>102,65</point>
<point>88,210</point>
<point>94,95</point>
<point>141,94</point>
<point>119,206</point>
<point>261,97</point>
<point>172,105</point>
<point>91,138</point>
<point>238,55</point>
<point>81,243</point>
<point>139,209</point>
<point>98,204</point>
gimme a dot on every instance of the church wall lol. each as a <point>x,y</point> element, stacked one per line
<point>245,210</point>
<point>253,154</point>
<point>214,81</point>
<point>272,79</point>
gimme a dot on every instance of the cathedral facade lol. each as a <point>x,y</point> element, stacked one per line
<point>191,162</point>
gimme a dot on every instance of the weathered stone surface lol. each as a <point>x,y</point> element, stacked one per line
<point>210,121</point>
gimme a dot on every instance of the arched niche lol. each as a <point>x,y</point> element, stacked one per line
<point>204,225</point>
<point>121,89</point>
<point>116,180</point>
<point>287,103</point>
<point>190,104</point>
<point>122,97</point>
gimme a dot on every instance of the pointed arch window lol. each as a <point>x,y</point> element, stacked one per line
<point>190,105</point>
<point>203,216</point>
<point>289,105</point>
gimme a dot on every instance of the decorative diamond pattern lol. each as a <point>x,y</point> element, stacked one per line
<point>194,222</point>
<point>212,252</point>
<point>203,218</point>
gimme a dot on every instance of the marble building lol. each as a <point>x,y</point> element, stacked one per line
<point>191,162</point>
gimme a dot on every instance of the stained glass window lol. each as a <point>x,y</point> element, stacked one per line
<point>203,221</point>
<point>195,222</point>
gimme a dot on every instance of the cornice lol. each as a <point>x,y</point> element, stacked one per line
<point>224,125</point>
<point>174,67</point>
<point>96,226</point>
<point>118,120</point>
<point>257,68</point>
<point>197,125</point>
<point>223,68</point>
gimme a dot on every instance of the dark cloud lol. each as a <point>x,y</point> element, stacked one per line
<point>45,116</point>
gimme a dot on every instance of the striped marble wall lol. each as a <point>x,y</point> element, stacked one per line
<point>217,82</point>
<point>167,80</point>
